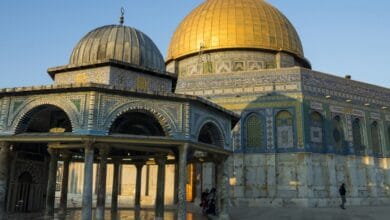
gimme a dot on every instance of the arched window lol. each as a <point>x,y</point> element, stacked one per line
<point>316,129</point>
<point>375,139</point>
<point>210,134</point>
<point>337,134</point>
<point>357,136</point>
<point>284,129</point>
<point>254,131</point>
<point>137,123</point>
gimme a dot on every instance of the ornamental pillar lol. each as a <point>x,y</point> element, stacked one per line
<point>115,186</point>
<point>88,181</point>
<point>4,171</point>
<point>101,191</point>
<point>182,180</point>
<point>51,185</point>
<point>65,180</point>
<point>160,196</point>
<point>137,202</point>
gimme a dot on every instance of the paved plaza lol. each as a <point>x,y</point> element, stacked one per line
<point>351,213</point>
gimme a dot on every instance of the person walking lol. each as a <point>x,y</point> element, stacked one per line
<point>342,192</point>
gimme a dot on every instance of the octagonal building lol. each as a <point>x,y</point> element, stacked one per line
<point>302,132</point>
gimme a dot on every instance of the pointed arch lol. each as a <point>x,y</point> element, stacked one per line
<point>211,133</point>
<point>166,124</point>
<point>43,118</point>
<point>24,112</point>
<point>137,122</point>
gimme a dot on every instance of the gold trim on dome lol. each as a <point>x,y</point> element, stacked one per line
<point>223,24</point>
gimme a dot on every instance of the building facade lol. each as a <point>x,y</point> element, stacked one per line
<point>235,105</point>
<point>302,132</point>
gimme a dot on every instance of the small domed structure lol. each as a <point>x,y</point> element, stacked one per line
<point>117,42</point>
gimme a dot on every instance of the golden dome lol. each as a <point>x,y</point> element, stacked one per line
<point>229,24</point>
<point>117,42</point>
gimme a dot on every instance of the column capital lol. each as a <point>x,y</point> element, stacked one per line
<point>103,151</point>
<point>139,164</point>
<point>66,155</point>
<point>52,151</point>
<point>161,159</point>
<point>88,145</point>
<point>116,159</point>
<point>5,146</point>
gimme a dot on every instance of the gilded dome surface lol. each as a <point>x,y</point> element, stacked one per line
<point>224,24</point>
<point>117,42</point>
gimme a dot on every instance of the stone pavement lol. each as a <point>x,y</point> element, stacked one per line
<point>351,213</point>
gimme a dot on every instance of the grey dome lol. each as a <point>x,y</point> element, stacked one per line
<point>117,42</point>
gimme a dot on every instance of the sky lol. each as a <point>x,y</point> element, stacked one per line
<point>340,37</point>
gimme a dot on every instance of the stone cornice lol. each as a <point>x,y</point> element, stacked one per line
<point>86,87</point>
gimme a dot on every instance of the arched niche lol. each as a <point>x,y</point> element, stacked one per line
<point>137,123</point>
<point>211,134</point>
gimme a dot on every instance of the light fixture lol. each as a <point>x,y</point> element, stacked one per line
<point>367,104</point>
<point>328,96</point>
<point>348,100</point>
<point>384,107</point>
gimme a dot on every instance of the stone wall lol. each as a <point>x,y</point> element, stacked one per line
<point>308,180</point>
<point>116,77</point>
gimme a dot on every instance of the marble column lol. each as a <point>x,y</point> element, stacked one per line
<point>101,190</point>
<point>65,180</point>
<point>159,210</point>
<point>176,181</point>
<point>51,185</point>
<point>88,181</point>
<point>115,186</point>
<point>181,205</point>
<point>4,171</point>
<point>198,183</point>
<point>137,202</point>
<point>222,188</point>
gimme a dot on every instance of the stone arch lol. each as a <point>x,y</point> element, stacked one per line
<point>284,120</point>
<point>254,131</point>
<point>28,109</point>
<point>210,132</point>
<point>159,116</point>
<point>30,169</point>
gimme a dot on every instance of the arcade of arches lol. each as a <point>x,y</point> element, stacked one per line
<point>44,141</point>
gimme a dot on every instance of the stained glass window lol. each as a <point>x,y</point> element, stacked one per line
<point>284,129</point>
<point>337,133</point>
<point>357,136</point>
<point>388,136</point>
<point>375,138</point>
<point>254,131</point>
<point>316,129</point>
